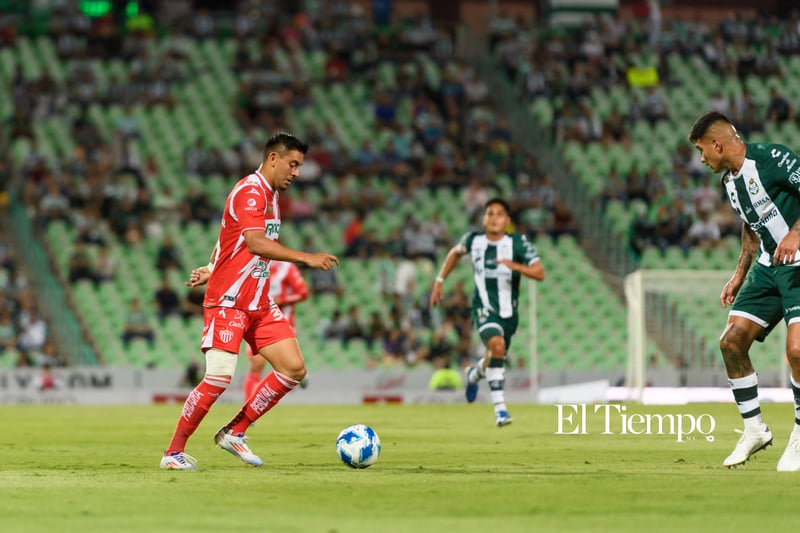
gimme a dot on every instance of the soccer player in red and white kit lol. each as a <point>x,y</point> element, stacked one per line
<point>286,288</point>
<point>238,306</point>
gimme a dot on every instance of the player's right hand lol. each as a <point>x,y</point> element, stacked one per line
<point>729,291</point>
<point>436,294</point>
<point>323,261</point>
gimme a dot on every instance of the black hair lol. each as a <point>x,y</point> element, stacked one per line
<point>284,142</point>
<point>701,125</point>
<point>499,201</point>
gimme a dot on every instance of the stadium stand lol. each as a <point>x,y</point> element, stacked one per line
<point>631,127</point>
<point>177,115</point>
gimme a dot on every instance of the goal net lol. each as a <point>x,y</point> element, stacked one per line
<point>674,323</point>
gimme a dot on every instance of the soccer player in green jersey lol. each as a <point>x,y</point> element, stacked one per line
<point>762,181</point>
<point>499,260</point>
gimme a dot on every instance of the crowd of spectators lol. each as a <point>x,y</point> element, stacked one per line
<point>25,338</point>
<point>429,133</point>
<point>104,190</point>
<point>678,207</point>
<point>450,137</point>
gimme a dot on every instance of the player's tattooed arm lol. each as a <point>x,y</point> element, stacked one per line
<point>750,243</point>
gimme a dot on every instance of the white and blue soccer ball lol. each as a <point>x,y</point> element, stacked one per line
<point>358,446</point>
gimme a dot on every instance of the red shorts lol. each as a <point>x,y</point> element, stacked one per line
<point>225,328</point>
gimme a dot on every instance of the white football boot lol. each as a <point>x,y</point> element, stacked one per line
<point>178,461</point>
<point>790,460</point>
<point>237,446</point>
<point>749,443</point>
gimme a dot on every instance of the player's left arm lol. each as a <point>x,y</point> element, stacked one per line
<point>258,244</point>
<point>299,289</point>
<point>249,207</point>
<point>528,263</point>
<point>533,270</point>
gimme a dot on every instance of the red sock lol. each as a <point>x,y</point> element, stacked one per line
<point>251,381</point>
<point>197,405</point>
<point>269,392</point>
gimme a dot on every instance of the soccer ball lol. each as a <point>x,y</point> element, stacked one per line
<point>358,446</point>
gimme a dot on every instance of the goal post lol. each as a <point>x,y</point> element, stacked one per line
<point>533,338</point>
<point>637,334</point>
<point>677,315</point>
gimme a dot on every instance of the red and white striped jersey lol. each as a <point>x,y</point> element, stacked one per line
<point>286,284</point>
<point>241,279</point>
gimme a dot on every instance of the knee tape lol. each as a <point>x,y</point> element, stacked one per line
<point>220,363</point>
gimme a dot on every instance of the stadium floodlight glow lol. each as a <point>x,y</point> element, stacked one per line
<point>131,9</point>
<point>95,8</point>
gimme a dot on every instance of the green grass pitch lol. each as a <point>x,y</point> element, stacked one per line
<point>442,468</point>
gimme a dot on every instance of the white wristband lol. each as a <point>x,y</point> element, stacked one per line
<point>439,279</point>
<point>210,267</point>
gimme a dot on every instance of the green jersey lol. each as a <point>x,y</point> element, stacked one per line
<point>496,285</point>
<point>766,194</point>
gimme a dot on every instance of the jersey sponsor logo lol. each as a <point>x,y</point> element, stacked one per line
<point>763,222</point>
<point>225,335</point>
<point>251,202</point>
<point>238,319</point>
<point>272,230</point>
<point>260,270</point>
<point>761,201</point>
<point>752,187</point>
